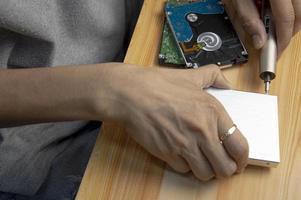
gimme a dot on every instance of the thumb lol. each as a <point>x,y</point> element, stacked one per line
<point>210,76</point>
<point>250,21</point>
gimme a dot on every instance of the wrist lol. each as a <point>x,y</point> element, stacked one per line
<point>108,98</point>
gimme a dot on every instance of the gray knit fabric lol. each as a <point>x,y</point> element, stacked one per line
<point>44,33</point>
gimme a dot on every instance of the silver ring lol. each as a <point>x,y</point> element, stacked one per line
<point>228,133</point>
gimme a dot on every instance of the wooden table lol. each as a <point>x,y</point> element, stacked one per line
<point>120,169</point>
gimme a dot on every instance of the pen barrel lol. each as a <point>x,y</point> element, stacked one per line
<point>268,56</point>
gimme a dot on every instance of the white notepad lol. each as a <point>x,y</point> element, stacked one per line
<point>256,115</point>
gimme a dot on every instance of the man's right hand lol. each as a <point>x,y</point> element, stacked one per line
<point>287,17</point>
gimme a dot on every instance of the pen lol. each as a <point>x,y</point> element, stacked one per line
<point>268,55</point>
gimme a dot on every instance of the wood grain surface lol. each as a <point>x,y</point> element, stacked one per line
<point>120,169</point>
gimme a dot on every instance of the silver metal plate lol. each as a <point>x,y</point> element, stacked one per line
<point>211,40</point>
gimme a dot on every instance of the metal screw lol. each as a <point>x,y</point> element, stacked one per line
<point>244,53</point>
<point>189,65</point>
<point>162,56</point>
<point>192,17</point>
<point>195,66</point>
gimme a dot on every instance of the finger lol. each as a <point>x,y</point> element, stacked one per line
<point>198,163</point>
<point>208,76</point>
<point>250,21</point>
<point>237,147</point>
<point>284,17</point>
<point>230,9</point>
<point>178,164</point>
<point>222,164</point>
<point>297,8</point>
<point>236,144</point>
<point>204,77</point>
<point>232,13</point>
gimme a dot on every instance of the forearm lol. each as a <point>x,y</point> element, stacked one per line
<point>55,94</point>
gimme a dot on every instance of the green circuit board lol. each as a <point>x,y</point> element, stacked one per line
<point>169,52</point>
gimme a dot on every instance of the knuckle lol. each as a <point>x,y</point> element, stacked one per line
<point>228,170</point>
<point>215,71</point>
<point>180,169</point>
<point>244,156</point>
<point>166,154</point>
<point>185,147</point>
<point>177,165</point>
<point>212,68</point>
<point>210,145</point>
<point>188,149</point>
<point>211,102</point>
<point>215,68</point>
<point>206,70</point>
<point>245,150</point>
<point>209,74</point>
<point>205,177</point>
<point>288,19</point>
<point>248,22</point>
<point>214,106</point>
<point>242,147</point>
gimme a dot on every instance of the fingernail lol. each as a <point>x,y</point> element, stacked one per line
<point>257,41</point>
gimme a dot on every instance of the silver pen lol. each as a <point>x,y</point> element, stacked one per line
<point>268,57</point>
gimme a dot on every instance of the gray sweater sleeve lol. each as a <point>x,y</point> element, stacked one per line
<point>51,33</point>
<point>44,33</point>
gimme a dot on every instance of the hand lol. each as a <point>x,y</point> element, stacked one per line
<point>287,18</point>
<point>167,112</point>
